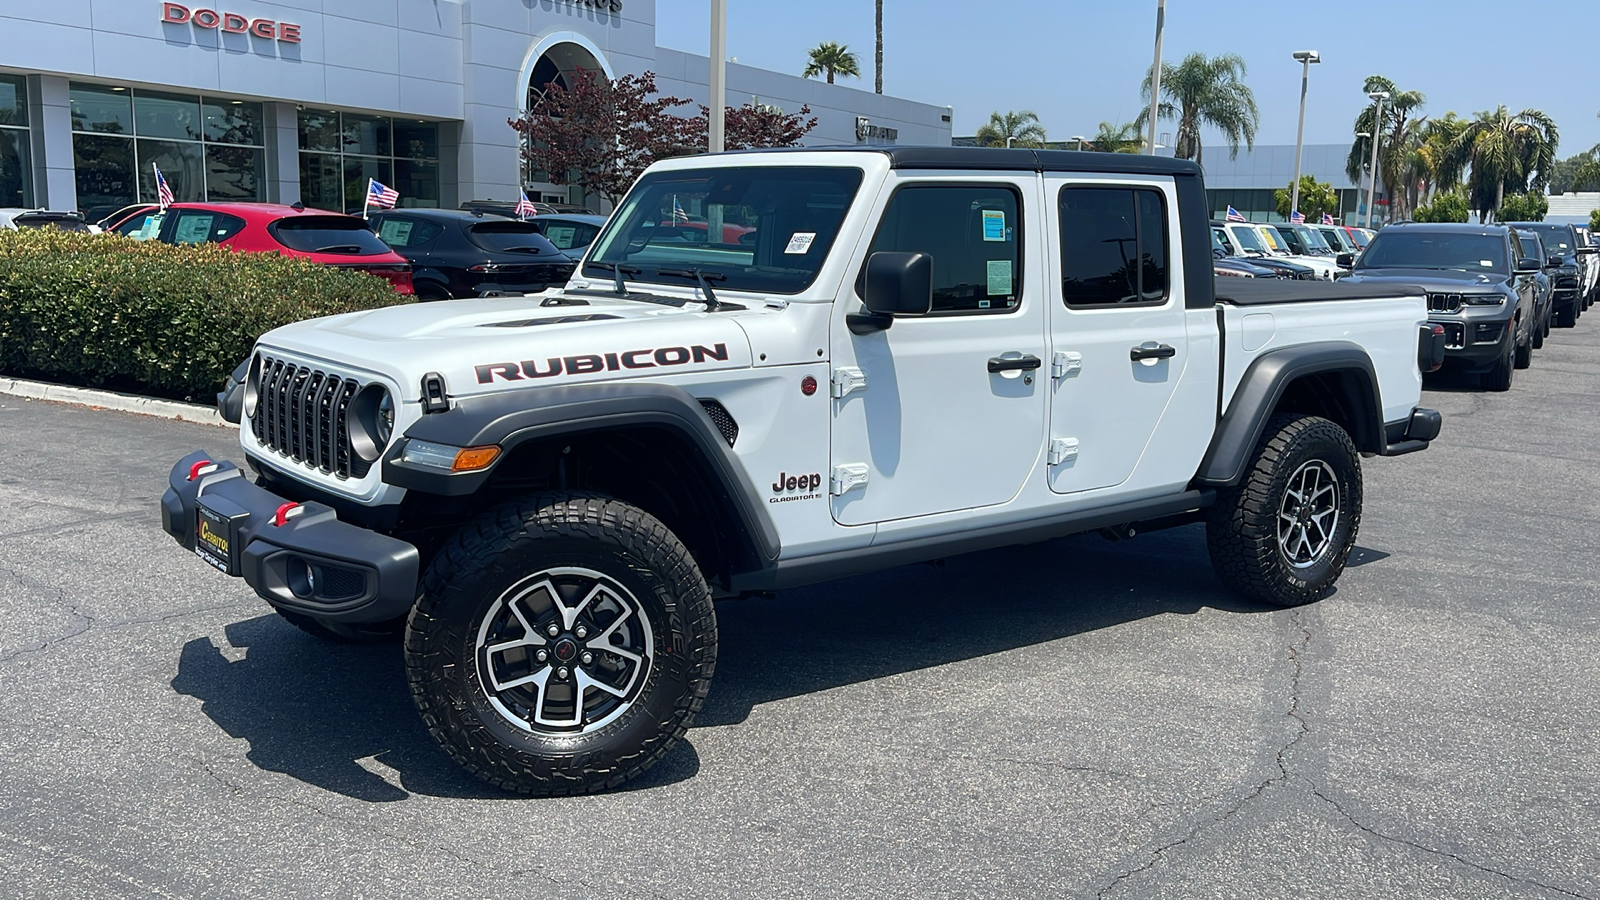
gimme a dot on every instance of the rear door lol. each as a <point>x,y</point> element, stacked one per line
<point>1117,328</point>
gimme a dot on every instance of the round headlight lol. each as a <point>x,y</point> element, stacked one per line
<point>252,387</point>
<point>371,422</point>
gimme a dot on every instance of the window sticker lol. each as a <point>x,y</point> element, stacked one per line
<point>800,242</point>
<point>395,232</point>
<point>999,277</point>
<point>994,225</point>
<point>193,229</point>
<point>150,228</point>
<point>562,236</point>
<point>1486,263</point>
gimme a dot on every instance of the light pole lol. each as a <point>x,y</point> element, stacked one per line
<point>719,71</point>
<point>1368,136</point>
<point>1155,73</point>
<point>1080,139</point>
<point>1377,137</point>
<point>1306,58</point>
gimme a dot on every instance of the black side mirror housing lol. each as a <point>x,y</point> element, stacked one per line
<point>894,284</point>
<point>1345,260</point>
<point>1528,265</point>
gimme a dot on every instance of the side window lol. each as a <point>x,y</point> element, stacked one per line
<point>1517,252</point>
<point>1114,246</point>
<point>398,232</point>
<point>973,233</point>
<point>196,226</point>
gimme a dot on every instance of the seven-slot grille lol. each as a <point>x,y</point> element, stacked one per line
<point>302,413</point>
<point>1444,302</point>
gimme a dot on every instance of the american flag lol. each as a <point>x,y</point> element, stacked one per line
<point>1235,216</point>
<point>679,217</point>
<point>1297,217</point>
<point>380,196</point>
<point>525,208</point>
<point>164,196</point>
<point>1327,218</point>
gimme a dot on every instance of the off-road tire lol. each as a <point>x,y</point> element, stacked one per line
<point>465,587</point>
<point>343,633</point>
<point>1242,527</point>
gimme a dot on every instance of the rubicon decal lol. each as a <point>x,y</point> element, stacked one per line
<point>589,363</point>
<point>796,487</point>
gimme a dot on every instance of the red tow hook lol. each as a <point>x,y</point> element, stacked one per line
<point>203,467</point>
<point>285,513</point>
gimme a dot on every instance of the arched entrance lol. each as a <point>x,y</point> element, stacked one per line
<point>556,59</point>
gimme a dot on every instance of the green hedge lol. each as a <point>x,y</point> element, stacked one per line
<point>108,311</point>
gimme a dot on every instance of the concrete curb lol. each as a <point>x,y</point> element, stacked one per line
<point>132,403</point>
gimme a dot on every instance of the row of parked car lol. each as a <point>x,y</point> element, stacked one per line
<point>1305,252</point>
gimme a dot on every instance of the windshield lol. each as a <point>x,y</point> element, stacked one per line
<point>1248,240</point>
<point>328,234</point>
<point>1335,239</point>
<point>1313,239</point>
<point>1288,237</point>
<point>764,229</point>
<point>1557,238</point>
<point>1393,249</point>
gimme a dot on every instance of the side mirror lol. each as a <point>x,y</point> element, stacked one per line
<point>1528,265</point>
<point>894,284</point>
<point>1345,260</point>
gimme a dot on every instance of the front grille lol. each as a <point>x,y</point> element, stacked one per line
<point>1444,303</point>
<point>302,413</point>
<point>722,419</point>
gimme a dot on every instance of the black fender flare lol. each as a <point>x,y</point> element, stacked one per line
<point>511,418</point>
<point>1263,385</point>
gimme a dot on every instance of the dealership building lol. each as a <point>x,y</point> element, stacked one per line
<point>307,99</point>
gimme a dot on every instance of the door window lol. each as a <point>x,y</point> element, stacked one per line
<point>197,226</point>
<point>1114,247</point>
<point>973,233</point>
<point>400,233</point>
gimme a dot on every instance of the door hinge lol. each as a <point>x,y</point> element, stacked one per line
<point>1063,450</point>
<point>848,477</point>
<point>1066,364</point>
<point>847,380</point>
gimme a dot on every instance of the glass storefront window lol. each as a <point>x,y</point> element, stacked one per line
<point>166,116</point>
<point>233,173</point>
<point>319,130</point>
<point>321,181</point>
<point>15,174</point>
<point>182,163</point>
<point>416,140</point>
<point>13,101</point>
<point>105,173</point>
<point>417,181</point>
<point>367,135</point>
<point>233,122</point>
<point>101,109</point>
<point>357,169</point>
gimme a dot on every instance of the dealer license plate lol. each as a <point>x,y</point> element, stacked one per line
<point>216,539</point>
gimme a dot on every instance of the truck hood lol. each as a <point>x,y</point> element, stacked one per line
<point>480,346</point>
<point>1439,280</point>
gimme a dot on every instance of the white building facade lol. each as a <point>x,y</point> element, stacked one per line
<point>304,100</point>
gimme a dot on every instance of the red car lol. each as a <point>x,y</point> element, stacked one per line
<point>330,238</point>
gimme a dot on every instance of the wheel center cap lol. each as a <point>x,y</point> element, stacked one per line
<point>566,649</point>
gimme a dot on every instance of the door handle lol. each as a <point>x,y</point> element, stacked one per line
<point>1159,351</point>
<point>1020,363</point>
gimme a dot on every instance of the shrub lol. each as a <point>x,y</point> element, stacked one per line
<point>108,311</point>
<point>1528,207</point>
<point>1594,221</point>
<point>1446,207</point>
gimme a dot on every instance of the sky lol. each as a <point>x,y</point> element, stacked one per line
<point>1078,63</point>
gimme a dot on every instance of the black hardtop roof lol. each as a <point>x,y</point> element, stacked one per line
<point>1534,226</point>
<point>1014,159</point>
<point>1451,227</point>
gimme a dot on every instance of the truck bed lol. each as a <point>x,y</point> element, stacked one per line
<point>1261,291</point>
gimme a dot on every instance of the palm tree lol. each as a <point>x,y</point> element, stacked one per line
<point>1113,138</point>
<point>1016,128</point>
<point>1202,92</point>
<point>1399,137</point>
<point>1505,151</point>
<point>831,58</point>
<point>879,23</point>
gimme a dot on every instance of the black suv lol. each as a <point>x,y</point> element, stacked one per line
<point>1561,243</point>
<point>1481,285</point>
<point>457,254</point>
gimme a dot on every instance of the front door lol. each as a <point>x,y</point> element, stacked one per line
<point>1117,331</point>
<point>945,411</point>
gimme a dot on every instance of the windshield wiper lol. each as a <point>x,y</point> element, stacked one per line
<point>339,248</point>
<point>705,278</point>
<point>522,250</point>
<point>620,275</point>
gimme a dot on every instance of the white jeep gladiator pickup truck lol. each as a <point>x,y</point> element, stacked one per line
<point>885,357</point>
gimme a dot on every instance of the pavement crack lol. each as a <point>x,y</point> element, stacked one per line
<point>80,621</point>
<point>1296,651</point>
<point>1423,848</point>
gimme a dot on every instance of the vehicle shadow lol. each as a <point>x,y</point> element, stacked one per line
<point>327,714</point>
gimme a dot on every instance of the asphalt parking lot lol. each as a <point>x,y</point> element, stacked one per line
<point>1073,719</point>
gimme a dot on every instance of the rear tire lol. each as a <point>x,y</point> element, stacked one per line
<point>562,644</point>
<point>1284,534</point>
<point>1524,350</point>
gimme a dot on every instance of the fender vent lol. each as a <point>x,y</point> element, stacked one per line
<point>724,422</point>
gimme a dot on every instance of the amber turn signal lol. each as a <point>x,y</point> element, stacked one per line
<point>471,459</point>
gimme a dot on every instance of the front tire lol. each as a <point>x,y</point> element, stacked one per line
<point>562,644</point>
<point>1499,378</point>
<point>1284,534</point>
<point>1523,351</point>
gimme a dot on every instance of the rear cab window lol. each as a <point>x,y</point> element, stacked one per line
<point>346,235</point>
<point>1115,246</point>
<point>973,234</point>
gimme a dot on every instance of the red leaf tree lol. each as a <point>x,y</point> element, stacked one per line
<point>757,126</point>
<point>601,133</point>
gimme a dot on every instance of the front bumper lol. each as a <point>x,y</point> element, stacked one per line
<point>1475,342</point>
<point>307,562</point>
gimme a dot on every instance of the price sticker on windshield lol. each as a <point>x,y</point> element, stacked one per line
<point>800,242</point>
